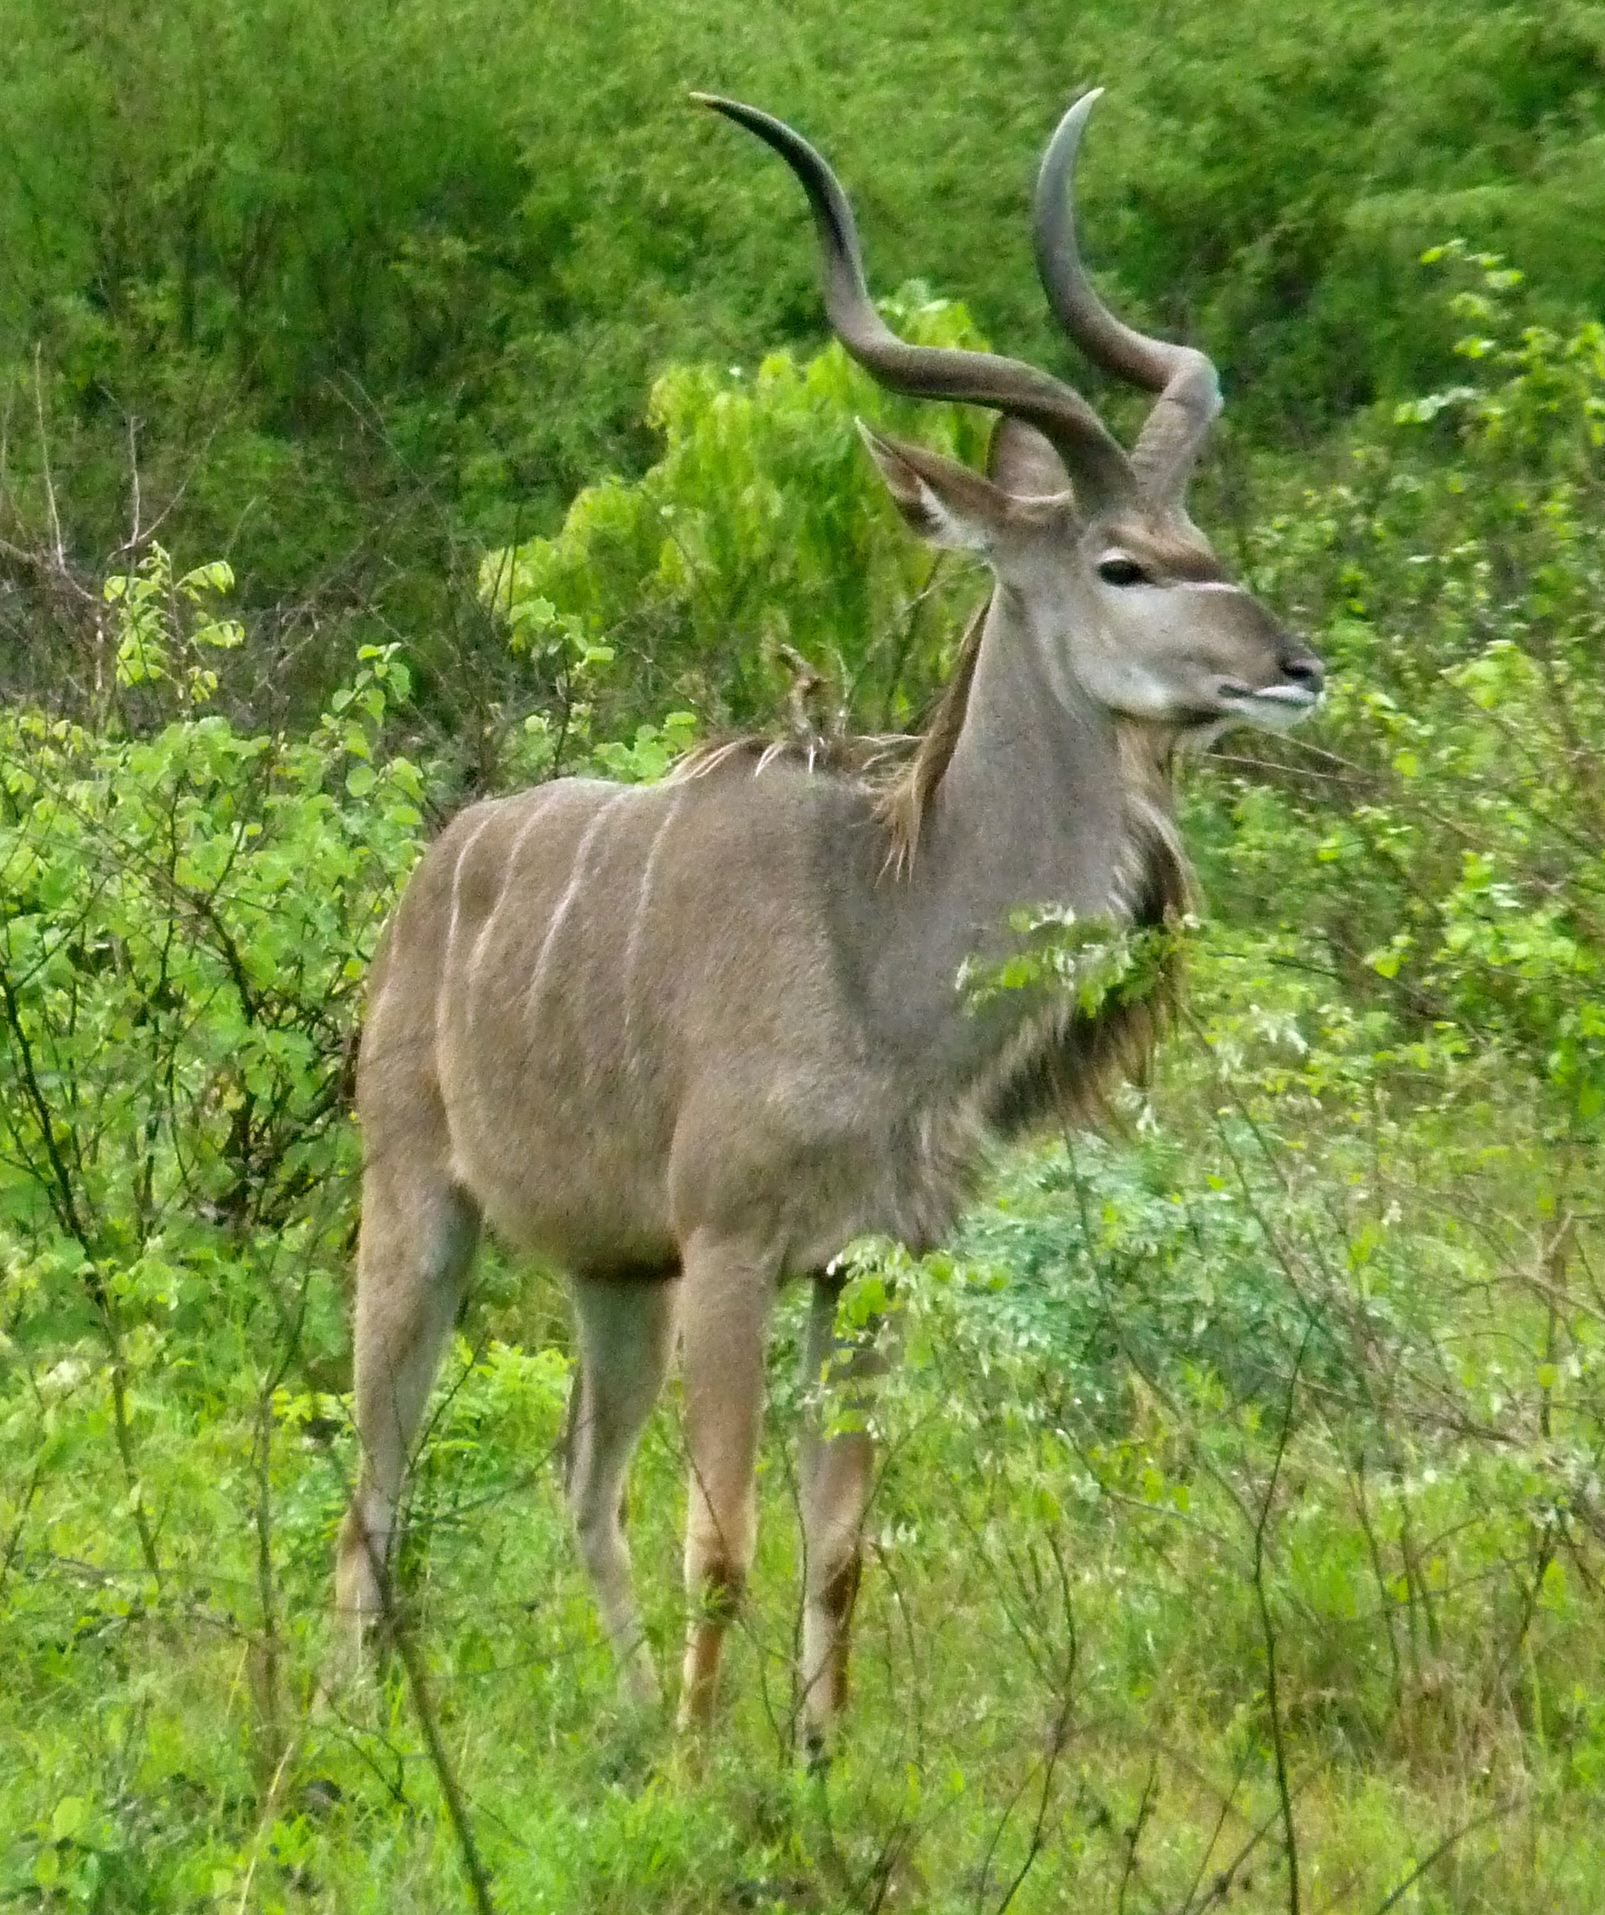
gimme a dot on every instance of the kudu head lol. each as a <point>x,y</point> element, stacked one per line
<point>1115,584</point>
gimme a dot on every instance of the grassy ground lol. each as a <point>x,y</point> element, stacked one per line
<point>1092,1550</point>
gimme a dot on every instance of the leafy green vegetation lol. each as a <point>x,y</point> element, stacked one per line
<point>760,550</point>
<point>1239,1526</point>
<point>1239,1540</point>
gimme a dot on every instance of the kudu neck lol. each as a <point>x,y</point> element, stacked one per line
<point>1037,802</point>
<point>1045,800</point>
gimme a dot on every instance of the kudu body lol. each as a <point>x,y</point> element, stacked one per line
<point>690,1039</point>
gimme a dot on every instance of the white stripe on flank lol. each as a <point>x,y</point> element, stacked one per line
<point>576,878</point>
<point>632,954</point>
<point>509,866</point>
<point>456,888</point>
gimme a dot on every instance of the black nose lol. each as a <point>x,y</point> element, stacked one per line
<point>1305,669</point>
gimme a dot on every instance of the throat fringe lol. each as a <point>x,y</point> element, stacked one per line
<point>1065,1061</point>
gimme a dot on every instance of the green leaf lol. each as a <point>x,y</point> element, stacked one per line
<point>70,1818</point>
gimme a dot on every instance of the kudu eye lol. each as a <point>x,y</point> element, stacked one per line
<point>1120,570</point>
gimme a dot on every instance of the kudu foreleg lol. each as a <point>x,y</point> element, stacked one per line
<point>417,1242</point>
<point>626,1334</point>
<point>837,1476</point>
<point>724,1316</point>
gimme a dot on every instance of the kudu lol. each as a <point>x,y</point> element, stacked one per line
<point>689,1039</point>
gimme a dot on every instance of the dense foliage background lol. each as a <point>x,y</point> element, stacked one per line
<point>417,400</point>
<point>365,290</point>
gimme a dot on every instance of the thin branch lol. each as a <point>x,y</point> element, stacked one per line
<point>1268,1630</point>
<point>401,1638</point>
<point>1058,1742</point>
<point>1496,1814</point>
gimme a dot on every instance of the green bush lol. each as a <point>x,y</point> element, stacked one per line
<point>367,285</point>
<point>188,915</point>
<point>759,547</point>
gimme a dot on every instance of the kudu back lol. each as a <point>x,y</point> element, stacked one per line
<point>688,1040</point>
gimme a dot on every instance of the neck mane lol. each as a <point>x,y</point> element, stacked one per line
<point>906,798</point>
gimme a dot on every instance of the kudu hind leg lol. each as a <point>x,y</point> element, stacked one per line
<point>626,1336</point>
<point>416,1245</point>
<point>837,1475</point>
<point>724,1315</point>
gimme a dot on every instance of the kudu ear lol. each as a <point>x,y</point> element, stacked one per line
<point>1023,462</point>
<point>943,501</point>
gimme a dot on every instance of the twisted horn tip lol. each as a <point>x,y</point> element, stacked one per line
<point>1061,149</point>
<point>736,110</point>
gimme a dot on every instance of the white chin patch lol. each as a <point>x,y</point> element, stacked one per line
<point>1275,709</point>
<point>1278,709</point>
